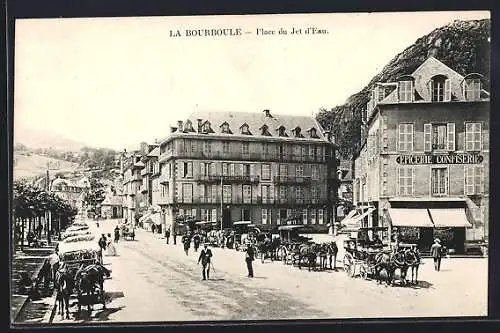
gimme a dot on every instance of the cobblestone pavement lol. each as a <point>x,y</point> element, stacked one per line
<point>153,281</point>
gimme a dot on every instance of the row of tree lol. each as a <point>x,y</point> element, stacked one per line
<point>30,205</point>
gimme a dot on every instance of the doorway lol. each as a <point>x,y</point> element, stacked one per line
<point>226,218</point>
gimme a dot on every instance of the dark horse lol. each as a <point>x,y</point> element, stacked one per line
<point>308,253</point>
<point>390,262</point>
<point>64,285</point>
<point>412,259</point>
<point>329,250</point>
<point>87,280</point>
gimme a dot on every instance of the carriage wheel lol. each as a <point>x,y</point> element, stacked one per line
<point>348,264</point>
<point>363,271</point>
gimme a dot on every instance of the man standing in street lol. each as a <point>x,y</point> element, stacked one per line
<point>205,258</point>
<point>167,234</point>
<point>249,257</point>
<point>102,246</point>
<point>117,234</point>
<point>436,249</point>
<point>175,238</point>
<point>186,240</point>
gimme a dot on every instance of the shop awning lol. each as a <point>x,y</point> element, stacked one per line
<point>153,218</point>
<point>449,217</point>
<point>349,216</point>
<point>144,217</point>
<point>410,217</point>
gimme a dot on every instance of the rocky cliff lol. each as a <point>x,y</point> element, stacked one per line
<point>461,45</point>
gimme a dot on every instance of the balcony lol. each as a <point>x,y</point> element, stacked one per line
<point>239,156</point>
<point>144,189</point>
<point>136,177</point>
<point>145,171</point>
<point>216,179</point>
<point>291,180</point>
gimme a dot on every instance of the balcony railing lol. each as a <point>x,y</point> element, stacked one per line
<point>164,179</point>
<point>227,179</point>
<point>144,189</point>
<point>239,156</point>
<point>291,180</point>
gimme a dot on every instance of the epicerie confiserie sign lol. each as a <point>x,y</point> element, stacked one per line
<point>439,159</point>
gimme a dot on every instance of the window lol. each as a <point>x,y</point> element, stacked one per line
<point>245,215</point>
<point>473,180</point>
<point>299,171</point>
<point>282,131</point>
<point>304,216</point>
<point>226,147</point>
<point>315,153</point>
<point>225,169</point>
<point>313,133</point>
<point>439,137</point>
<point>405,137</point>
<point>265,149</point>
<point>181,212</point>
<point>207,148</point>
<point>245,149</point>
<point>188,126</point>
<point>314,172</point>
<point>405,181</point>
<point>226,192</point>
<point>264,216</point>
<point>313,216</point>
<point>304,152</point>
<point>281,151</point>
<point>187,193</point>
<point>439,181</point>
<point>214,193</point>
<point>206,127</point>
<point>187,146</point>
<point>299,194</point>
<point>265,130</point>
<point>187,170</point>
<point>244,129</point>
<point>266,194</point>
<point>247,194</point>
<point>163,190</point>
<point>213,214</point>
<point>314,194</point>
<point>203,193</point>
<point>283,194</point>
<point>193,212</point>
<point>280,216</point>
<point>473,136</point>
<point>311,153</point>
<point>440,89</point>
<point>320,216</point>
<point>205,169</point>
<point>406,91</point>
<point>225,127</point>
<point>283,171</point>
<point>266,171</point>
<point>472,89</point>
<point>298,133</point>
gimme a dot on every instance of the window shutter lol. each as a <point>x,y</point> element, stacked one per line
<point>429,89</point>
<point>214,193</point>
<point>214,215</point>
<point>428,137</point>
<point>401,137</point>
<point>252,170</point>
<point>278,217</point>
<point>181,169</point>
<point>479,130</point>
<point>401,91</point>
<point>466,174</point>
<point>202,217</point>
<point>451,136</point>
<point>213,170</point>
<point>447,90</point>
<point>232,169</point>
<point>190,169</point>
<point>202,191</point>
<point>202,169</point>
<point>399,172</point>
<point>413,181</point>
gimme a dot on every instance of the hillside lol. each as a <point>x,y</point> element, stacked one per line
<point>461,45</point>
<point>30,165</point>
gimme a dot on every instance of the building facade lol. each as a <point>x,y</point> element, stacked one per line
<point>424,166</point>
<point>72,190</point>
<point>228,166</point>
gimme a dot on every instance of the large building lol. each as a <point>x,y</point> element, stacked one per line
<point>259,167</point>
<point>73,190</point>
<point>423,168</point>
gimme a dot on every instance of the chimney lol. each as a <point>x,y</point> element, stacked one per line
<point>179,125</point>
<point>173,129</point>
<point>199,125</point>
<point>268,113</point>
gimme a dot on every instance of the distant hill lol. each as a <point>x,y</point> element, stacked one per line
<point>30,165</point>
<point>462,45</point>
<point>34,138</point>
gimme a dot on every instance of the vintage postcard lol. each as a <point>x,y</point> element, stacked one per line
<point>252,167</point>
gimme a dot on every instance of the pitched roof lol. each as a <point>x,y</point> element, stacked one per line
<point>255,121</point>
<point>155,152</point>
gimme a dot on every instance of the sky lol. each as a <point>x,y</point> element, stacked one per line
<point>114,82</point>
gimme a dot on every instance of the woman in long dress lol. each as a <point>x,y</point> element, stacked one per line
<point>111,247</point>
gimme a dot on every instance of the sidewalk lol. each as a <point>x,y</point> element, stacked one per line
<point>30,260</point>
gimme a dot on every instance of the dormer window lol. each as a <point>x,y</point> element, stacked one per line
<point>313,133</point>
<point>206,127</point>
<point>405,91</point>
<point>225,128</point>
<point>282,131</point>
<point>297,132</point>
<point>188,126</point>
<point>439,89</point>
<point>472,87</point>
<point>245,130</point>
<point>265,130</point>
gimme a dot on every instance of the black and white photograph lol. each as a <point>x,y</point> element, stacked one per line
<point>250,167</point>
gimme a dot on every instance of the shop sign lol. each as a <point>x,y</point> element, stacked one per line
<point>462,158</point>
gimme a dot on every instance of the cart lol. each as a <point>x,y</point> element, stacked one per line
<point>360,252</point>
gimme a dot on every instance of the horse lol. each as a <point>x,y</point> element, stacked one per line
<point>45,273</point>
<point>87,279</point>
<point>332,251</point>
<point>309,254</point>
<point>63,284</point>
<point>412,259</point>
<point>383,261</point>
<point>323,255</point>
<point>399,262</point>
<point>265,249</point>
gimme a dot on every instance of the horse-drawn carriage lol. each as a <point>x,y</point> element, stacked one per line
<point>127,232</point>
<point>80,274</point>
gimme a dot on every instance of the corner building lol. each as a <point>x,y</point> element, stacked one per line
<point>258,167</point>
<point>423,168</point>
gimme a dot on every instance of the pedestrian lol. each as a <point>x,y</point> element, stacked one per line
<point>117,234</point>
<point>196,241</point>
<point>249,258</point>
<point>175,237</point>
<point>206,259</point>
<point>153,227</point>
<point>54,263</point>
<point>102,247</point>
<point>111,247</point>
<point>436,251</point>
<point>167,234</point>
<point>187,242</point>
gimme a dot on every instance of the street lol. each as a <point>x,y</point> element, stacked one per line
<point>153,281</point>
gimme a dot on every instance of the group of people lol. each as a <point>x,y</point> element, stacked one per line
<point>105,244</point>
